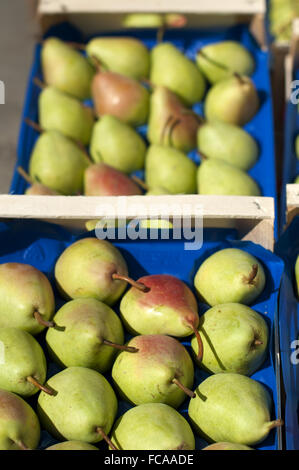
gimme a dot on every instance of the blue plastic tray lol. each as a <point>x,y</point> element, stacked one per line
<point>40,244</point>
<point>290,161</point>
<point>288,249</point>
<point>189,41</point>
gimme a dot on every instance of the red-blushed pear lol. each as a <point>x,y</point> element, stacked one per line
<point>170,122</point>
<point>152,426</point>
<point>27,299</point>
<point>19,425</point>
<point>120,96</point>
<point>72,445</point>
<point>169,307</point>
<point>161,371</point>
<point>92,268</point>
<point>104,180</point>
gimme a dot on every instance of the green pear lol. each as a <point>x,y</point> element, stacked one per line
<point>234,100</point>
<point>227,446</point>
<point>170,122</point>
<point>215,176</point>
<point>120,96</point>
<point>230,275</point>
<point>117,144</point>
<point>143,20</point>
<point>156,191</point>
<point>87,333</point>
<point>66,69</point>
<point>172,69</point>
<point>27,299</point>
<point>171,169</point>
<point>227,142</point>
<point>23,366</point>
<point>64,113</point>
<point>89,268</point>
<point>232,408</point>
<point>58,163</point>
<point>297,274</point>
<point>152,426</point>
<point>235,339</point>
<point>296,180</point>
<point>124,55</point>
<point>220,60</point>
<point>83,408</point>
<point>161,371</point>
<point>19,425</point>
<point>72,445</point>
<point>104,180</point>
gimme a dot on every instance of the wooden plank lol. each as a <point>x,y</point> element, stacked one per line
<point>253,217</point>
<point>292,202</point>
<point>119,6</point>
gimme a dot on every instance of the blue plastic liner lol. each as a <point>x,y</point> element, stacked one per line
<point>290,161</point>
<point>40,244</point>
<point>188,41</point>
<point>288,249</point>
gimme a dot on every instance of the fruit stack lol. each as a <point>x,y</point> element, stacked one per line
<point>123,116</point>
<point>288,249</point>
<point>177,356</point>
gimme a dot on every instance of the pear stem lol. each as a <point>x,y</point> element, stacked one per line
<point>41,321</point>
<point>39,83</point>
<point>34,125</point>
<point>136,284</point>
<point>36,383</point>
<point>100,431</point>
<point>24,175</point>
<point>140,183</point>
<point>239,78</point>
<point>199,342</point>
<point>182,387</point>
<point>160,33</point>
<point>250,279</point>
<point>212,61</point>
<point>121,347</point>
<point>21,445</point>
<point>165,127</point>
<point>275,424</point>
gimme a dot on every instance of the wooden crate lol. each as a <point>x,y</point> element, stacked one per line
<point>292,202</point>
<point>252,217</point>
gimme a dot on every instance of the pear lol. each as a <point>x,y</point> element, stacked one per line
<point>103,180</point>
<point>297,274</point>
<point>91,268</point>
<point>37,189</point>
<point>230,275</point>
<point>232,408</point>
<point>171,169</point>
<point>220,60</point>
<point>19,425</point>
<point>87,333</point>
<point>235,339</point>
<point>23,370</point>
<point>161,371</point>
<point>296,180</point>
<point>170,122</point>
<point>120,96</point>
<point>168,307</point>
<point>66,68</point>
<point>64,113</point>
<point>172,69</point>
<point>227,446</point>
<point>152,426</point>
<point>72,445</point>
<point>27,299</point>
<point>124,55</point>
<point>117,144</point>
<point>227,142</point>
<point>83,408</point>
<point>157,191</point>
<point>234,100</point>
<point>215,176</point>
<point>58,163</point>
<point>143,20</point>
